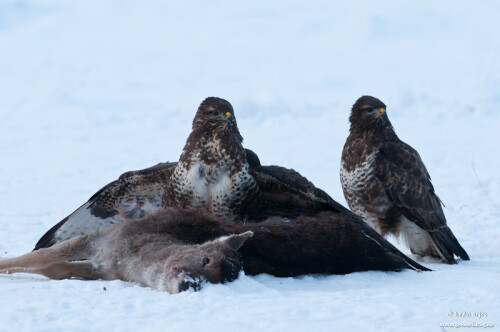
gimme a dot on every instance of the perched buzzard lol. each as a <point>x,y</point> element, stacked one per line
<point>385,181</point>
<point>214,173</point>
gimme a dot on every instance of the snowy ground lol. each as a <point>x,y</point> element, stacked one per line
<point>90,89</point>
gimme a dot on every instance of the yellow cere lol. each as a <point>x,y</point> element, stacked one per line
<point>228,114</point>
<point>382,110</point>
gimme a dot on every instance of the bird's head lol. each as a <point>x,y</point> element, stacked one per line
<point>215,114</point>
<point>369,113</point>
<point>215,133</point>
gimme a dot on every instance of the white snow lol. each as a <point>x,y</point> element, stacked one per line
<point>90,89</point>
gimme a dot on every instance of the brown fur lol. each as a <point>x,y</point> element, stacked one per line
<point>327,243</point>
<point>140,251</point>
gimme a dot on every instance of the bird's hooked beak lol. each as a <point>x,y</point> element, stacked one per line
<point>228,117</point>
<point>380,112</point>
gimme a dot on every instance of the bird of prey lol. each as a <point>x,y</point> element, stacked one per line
<point>214,173</point>
<point>385,181</point>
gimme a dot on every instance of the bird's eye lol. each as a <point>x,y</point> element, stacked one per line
<point>368,109</point>
<point>206,260</point>
<point>215,113</point>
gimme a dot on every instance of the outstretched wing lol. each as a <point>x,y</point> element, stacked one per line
<point>288,194</point>
<point>160,167</point>
<point>285,192</point>
<point>137,193</point>
<point>408,184</point>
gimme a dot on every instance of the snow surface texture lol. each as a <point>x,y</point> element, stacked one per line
<point>91,89</point>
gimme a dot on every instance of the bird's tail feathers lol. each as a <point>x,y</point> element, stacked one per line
<point>447,245</point>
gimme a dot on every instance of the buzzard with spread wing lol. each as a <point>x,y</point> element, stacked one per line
<point>214,173</point>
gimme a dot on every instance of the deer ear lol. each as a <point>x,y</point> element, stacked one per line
<point>237,240</point>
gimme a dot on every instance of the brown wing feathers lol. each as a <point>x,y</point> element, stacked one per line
<point>408,184</point>
<point>401,189</point>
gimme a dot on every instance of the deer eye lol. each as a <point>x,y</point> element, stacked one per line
<point>206,260</point>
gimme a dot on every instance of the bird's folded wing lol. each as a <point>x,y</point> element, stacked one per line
<point>286,193</point>
<point>408,184</point>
